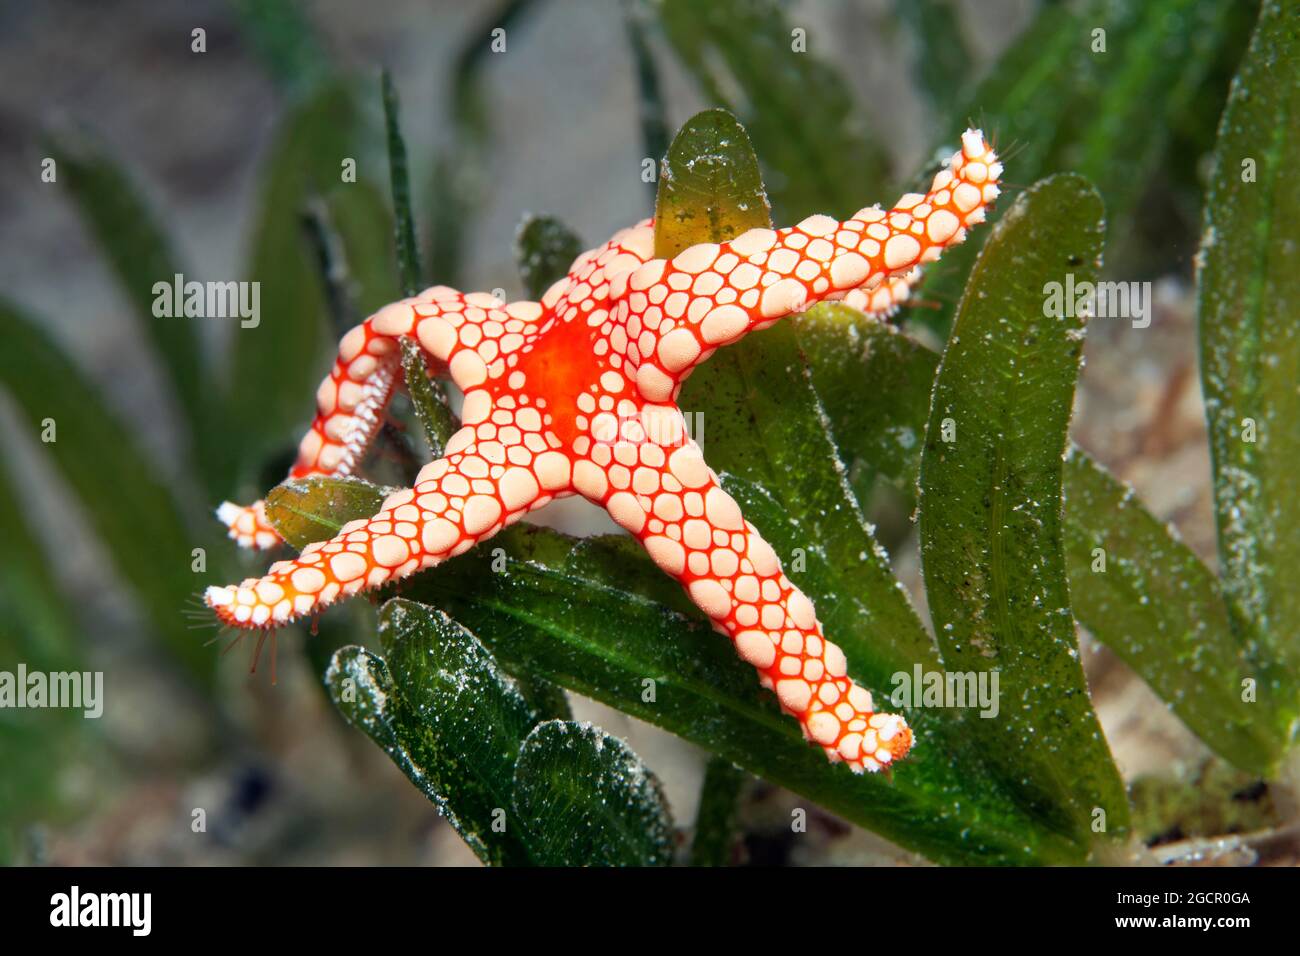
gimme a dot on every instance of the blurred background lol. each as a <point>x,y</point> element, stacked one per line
<point>560,123</point>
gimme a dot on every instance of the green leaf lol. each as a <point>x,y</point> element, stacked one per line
<point>544,249</point>
<point>589,800</point>
<point>363,689</point>
<point>465,718</point>
<point>715,821</point>
<point>618,561</point>
<point>428,398</point>
<point>874,383</point>
<point>710,189</point>
<point>140,254</point>
<point>408,249</point>
<point>870,377</point>
<point>134,512</point>
<point>306,510</point>
<point>1249,297</point>
<point>278,362</point>
<point>990,515</point>
<point>1161,610</point>
<point>796,107</point>
<point>463,732</point>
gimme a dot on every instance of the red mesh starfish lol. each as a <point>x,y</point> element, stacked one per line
<point>576,394</point>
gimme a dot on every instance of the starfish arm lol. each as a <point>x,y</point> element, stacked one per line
<point>885,299</point>
<point>713,294</point>
<point>456,502</point>
<point>351,400</point>
<point>601,274</point>
<point>662,491</point>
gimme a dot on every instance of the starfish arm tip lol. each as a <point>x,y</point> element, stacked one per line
<point>248,526</point>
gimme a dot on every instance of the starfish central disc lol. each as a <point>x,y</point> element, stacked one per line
<point>561,367</point>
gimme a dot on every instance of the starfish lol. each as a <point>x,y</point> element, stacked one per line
<point>576,394</point>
